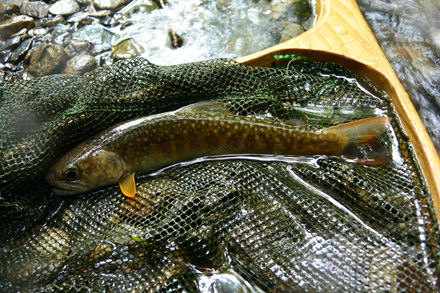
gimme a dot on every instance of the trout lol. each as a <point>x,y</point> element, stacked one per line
<point>146,144</point>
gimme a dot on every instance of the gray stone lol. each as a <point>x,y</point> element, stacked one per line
<point>78,46</point>
<point>46,59</point>
<point>14,25</point>
<point>54,21</point>
<point>36,9</point>
<point>80,64</point>
<point>14,2</point>
<point>110,4</point>
<point>21,50</point>
<point>64,7</point>
<point>127,48</point>
<point>280,8</point>
<point>84,2</point>
<point>96,34</point>
<point>12,43</point>
<point>291,30</point>
<point>38,32</point>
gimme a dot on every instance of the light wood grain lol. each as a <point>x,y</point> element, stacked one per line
<point>342,36</point>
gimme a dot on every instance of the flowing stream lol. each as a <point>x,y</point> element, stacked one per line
<point>408,32</point>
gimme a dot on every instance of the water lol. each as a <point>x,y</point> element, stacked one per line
<point>209,29</point>
<point>408,32</point>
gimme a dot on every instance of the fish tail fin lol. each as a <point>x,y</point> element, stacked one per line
<point>362,146</point>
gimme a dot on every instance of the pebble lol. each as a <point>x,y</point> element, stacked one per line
<point>15,24</point>
<point>96,34</point>
<point>36,9</point>
<point>46,59</point>
<point>11,5</point>
<point>21,50</point>
<point>12,43</point>
<point>64,7</point>
<point>39,32</point>
<point>279,9</point>
<point>80,64</point>
<point>175,40</point>
<point>291,30</point>
<point>127,48</point>
<point>110,4</point>
<point>54,21</point>
<point>80,17</point>
<point>78,46</point>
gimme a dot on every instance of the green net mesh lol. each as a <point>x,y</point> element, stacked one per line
<point>213,226</point>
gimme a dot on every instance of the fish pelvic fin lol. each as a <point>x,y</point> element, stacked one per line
<point>128,185</point>
<point>362,141</point>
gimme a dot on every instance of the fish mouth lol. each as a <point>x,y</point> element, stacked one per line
<point>67,189</point>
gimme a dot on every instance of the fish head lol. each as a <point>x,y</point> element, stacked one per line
<point>80,172</point>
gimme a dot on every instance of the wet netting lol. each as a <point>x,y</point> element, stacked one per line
<point>319,224</point>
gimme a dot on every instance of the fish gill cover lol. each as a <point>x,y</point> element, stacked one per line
<point>242,225</point>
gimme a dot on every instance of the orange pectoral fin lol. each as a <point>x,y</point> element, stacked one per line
<point>128,185</point>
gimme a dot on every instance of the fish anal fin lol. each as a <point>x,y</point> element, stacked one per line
<point>128,185</point>
<point>362,144</point>
<point>212,107</point>
<point>367,154</point>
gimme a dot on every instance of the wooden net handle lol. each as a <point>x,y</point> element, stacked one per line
<point>342,36</point>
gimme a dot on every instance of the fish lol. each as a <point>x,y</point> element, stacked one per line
<point>146,144</point>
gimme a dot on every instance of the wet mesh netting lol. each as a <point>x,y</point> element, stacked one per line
<point>214,226</point>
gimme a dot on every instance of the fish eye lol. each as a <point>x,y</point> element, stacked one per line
<point>71,173</point>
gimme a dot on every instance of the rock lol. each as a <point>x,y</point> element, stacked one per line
<point>21,50</point>
<point>14,2</point>
<point>36,9</point>
<point>64,7</point>
<point>109,22</point>
<point>10,6</point>
<point>4,57</point>
<point>46,59</point>
<point>7,10</point>
<point>61,34</point>
<point>126,25</point>
<point>78,46</point>
<point>291,30</point>
<point>280,8</point>
<point>160,3</point>
<point>96,34</point>
<point>80,16</point>
<point>84,2</point>
<point>54,21</point>
<point>110,4</point>
<point>12,43</point>
<point>22,32</point>
<point>101,13</point>
<point>38,32</point>
<point>127,48</point>
<point>80,64</point>
<point>14,25</point>
<point>175,40</point>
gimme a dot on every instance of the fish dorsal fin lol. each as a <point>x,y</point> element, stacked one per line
<point>128,185</point>
<point>211,107</point>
